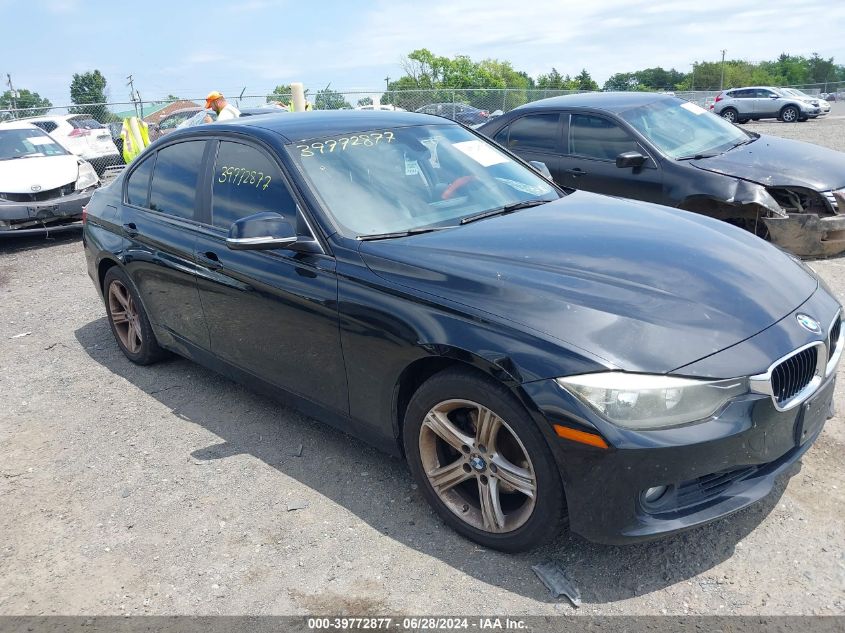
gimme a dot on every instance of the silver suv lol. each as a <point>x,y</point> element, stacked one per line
<point>740,105</point>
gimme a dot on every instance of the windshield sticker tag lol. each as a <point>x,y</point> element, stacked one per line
<point>40,140</point>
<point>431,144</point>
<point>693,108</point>
<point>412,167</point>
<point>481,153</point>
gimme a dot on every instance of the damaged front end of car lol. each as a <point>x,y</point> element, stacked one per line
<point>811,224</point>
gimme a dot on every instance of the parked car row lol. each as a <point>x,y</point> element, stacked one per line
<point>536,354</point>
<point>82,135</point>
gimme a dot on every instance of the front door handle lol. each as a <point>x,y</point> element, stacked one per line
<point>210,260</point>
<point>131,229</point>
<point>575,171</point>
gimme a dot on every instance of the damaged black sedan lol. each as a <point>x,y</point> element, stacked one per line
<point>662,149</point>
<point>534,354</point>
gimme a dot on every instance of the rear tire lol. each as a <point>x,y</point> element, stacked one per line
<point>730,114</point>
<point>128,320</point>
<point>482,463</point>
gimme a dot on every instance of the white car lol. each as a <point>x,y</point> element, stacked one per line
<point>824,106</point>
<point>42,185</point>
<point>82,135</point>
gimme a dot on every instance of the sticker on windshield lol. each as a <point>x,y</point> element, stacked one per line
<point>431,144</point>
<point>412,167</point>
<point>481,153</point>
<point>40,140</point>
<point>693,108</point>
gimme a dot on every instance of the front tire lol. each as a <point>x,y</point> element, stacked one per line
<point>482,463</point>
<point>128,320</point>
<point>789,114</point>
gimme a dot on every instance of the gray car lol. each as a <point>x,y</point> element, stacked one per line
<point>739,105</point>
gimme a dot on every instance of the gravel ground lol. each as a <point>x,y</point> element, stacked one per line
<point>165,490</point>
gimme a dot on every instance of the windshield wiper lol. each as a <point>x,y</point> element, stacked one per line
<point>697,156</point>
<point>508,208</point>
<point>388,236</point>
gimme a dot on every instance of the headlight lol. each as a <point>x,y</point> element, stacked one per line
<point>643,401</point>
<point>87,177</point>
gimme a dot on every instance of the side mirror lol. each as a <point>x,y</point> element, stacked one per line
<point>774,96</point>
<point>541,168</point>
<point>261,232</point>
<point>630,159</point>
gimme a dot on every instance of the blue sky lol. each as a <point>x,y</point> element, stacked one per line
<point>189,48</point>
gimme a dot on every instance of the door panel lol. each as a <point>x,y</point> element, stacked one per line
<point>590,164</point>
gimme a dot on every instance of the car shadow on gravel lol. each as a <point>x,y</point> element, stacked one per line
<point>11,243</point>
<point>379,490</point>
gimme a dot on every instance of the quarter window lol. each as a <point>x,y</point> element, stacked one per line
<point>174,187</point>
<point>597,137</point>
<point>138,184</point>
<point>247,181</point>
<point>534,131</point>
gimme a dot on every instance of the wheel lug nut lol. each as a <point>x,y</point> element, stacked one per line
<point>483,480</point>
<point>482,448</point>
<point>493,468</point>
<point>467,468</point>
<point>465,448</point>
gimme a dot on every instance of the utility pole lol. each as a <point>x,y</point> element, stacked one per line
<point>722,80</point>
<point>134,96</point>
<point>13,96</point>
<point>387,87</point>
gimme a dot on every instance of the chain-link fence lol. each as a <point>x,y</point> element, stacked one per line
<point>99,124</point>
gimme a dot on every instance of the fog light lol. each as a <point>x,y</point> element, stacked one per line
<point>653,494</point>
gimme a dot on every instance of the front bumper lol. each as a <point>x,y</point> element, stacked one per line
<point>808,235</point>
<point>711,469</point>
<point>18,216</point>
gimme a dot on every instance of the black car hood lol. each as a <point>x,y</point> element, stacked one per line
<point>773,161</point>
<point>644,287</point>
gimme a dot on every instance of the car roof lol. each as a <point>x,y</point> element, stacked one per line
<point>295,126</point>
<point>19,125</point>
<point>55,117</point>
<point>610,101</point>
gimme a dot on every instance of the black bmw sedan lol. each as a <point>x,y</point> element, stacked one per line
<point>533,354</point>
<point>662,149</point>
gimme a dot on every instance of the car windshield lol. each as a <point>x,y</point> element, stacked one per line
<point>27,143</point>
<point>415,178</point>
<point>681,129</point>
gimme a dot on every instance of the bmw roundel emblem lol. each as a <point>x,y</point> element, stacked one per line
<point>808,323</point>
<point>36,187</point>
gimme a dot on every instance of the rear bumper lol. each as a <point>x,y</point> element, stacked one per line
<point>808,235</point>
<point>16,217</point>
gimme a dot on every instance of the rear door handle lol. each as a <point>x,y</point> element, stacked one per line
<point>575,171</point>
<point>131,229</point>
<point>210,260</point>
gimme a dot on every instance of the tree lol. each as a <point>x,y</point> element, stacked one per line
<point>31,102</point>
<point>554,81</point>
<point>89,88</point>
<point>328,99</point>
<point>365,101</point>
<point>584,81</point>
<point>281,94</point>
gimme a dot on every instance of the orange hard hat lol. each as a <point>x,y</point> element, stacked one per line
<point>211,98</point>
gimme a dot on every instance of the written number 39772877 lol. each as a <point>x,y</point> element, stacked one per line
<point>242,176</point>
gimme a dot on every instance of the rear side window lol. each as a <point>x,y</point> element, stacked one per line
<point>597,137</point>
<point>535,131</point>
<point>138,184</point>
<point>85,124</point>
<point>247,181</point>
<point>47,126</point>
<point>174,187</point>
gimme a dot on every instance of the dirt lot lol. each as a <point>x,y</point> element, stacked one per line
<point>164,490</point>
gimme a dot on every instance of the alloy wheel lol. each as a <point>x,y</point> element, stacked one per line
<point>789,115</point>
<point>124,316</point>
<point>477,466</point>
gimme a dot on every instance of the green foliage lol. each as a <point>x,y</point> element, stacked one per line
<point>281,94</point>
<point>89,88</point>
<point>31,102</point>
<point>328,99</point>
<point>365,101</point>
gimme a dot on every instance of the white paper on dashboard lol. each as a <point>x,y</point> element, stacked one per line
<point>481,153</point>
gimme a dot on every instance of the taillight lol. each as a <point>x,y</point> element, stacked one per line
<point>719,97</point>
<point>79,132</point>
<point>484,113</point>
<point>84,214</point>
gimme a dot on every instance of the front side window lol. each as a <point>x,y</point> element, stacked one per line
<point>534,131</point>
<point>174,187</point>
<point>138,183</point>
<point>416,177</point>
<point>247,181</point>
<point>597,137</point>
<point>27,143</point>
